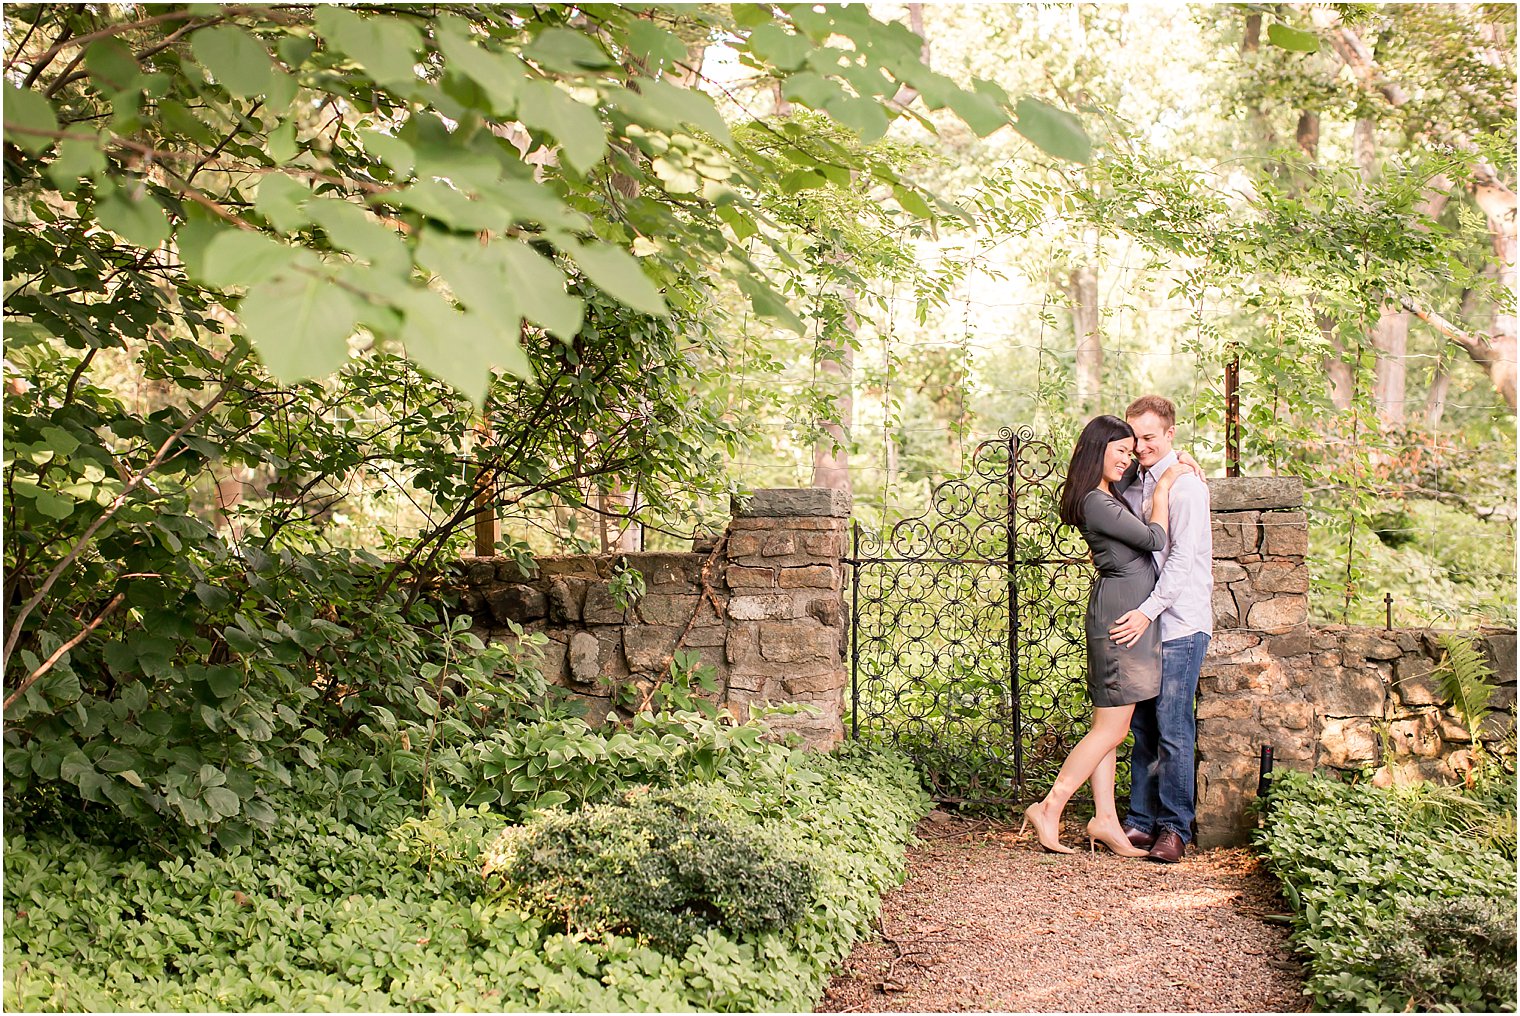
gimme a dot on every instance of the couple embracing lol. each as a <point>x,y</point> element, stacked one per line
<point>1145,516</point>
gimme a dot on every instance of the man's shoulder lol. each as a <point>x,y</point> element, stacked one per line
<point>1191,488</point>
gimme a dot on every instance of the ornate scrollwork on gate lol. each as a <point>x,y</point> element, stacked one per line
<point>967,639</point>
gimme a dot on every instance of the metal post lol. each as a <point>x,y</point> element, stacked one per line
<point>1264,781</point>
<point>855,631</point>
<point>1232,417</point>
<point>1013,611</point>
<point>1388,603</point>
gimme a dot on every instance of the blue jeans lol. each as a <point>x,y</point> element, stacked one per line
<point>1161,790</point>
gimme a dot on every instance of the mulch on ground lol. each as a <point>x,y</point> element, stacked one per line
<point>987,922</point>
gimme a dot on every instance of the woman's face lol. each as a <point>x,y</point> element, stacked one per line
<point>1117,457</point>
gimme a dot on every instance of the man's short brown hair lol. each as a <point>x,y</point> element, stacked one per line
<point>1153,404</point>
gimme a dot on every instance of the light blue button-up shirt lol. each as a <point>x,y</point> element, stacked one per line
<point>1184,595</point>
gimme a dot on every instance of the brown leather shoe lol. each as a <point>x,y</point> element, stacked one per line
<point>1138,838</point>
<point>1168,848</point>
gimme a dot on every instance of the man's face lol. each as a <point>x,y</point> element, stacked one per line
<point>1153,438</point>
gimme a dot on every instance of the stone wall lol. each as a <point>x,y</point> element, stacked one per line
<point>763,607</point>
<point>1339,697</point>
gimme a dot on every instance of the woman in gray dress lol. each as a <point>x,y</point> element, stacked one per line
<point>1118,676</point>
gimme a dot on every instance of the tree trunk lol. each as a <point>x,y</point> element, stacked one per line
<point>1495,352</point>
<point>1390,340</point>
<point>831,452</point>
<point>1307,133</point>
<point>1390,336</point>
<point>1082,289</point>
<point>1342,379</point>
<point>1440,378</point>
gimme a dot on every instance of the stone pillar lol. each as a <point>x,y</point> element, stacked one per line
<point>786,611</point>
<point>1256,686</point>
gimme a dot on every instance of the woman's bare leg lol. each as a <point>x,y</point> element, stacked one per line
<point>1105,812</point>
<point>1109,728</point>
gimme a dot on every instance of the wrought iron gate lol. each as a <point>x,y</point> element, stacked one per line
<point>967,645</point>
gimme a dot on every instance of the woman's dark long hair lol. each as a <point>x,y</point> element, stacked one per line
<point>1086,467</point>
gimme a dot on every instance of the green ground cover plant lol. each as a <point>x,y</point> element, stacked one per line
<point>360,898</point>
<point>1401,898</point>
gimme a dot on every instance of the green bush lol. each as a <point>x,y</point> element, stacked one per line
<point>665,867</point>
<point>1429,940</point>
<point>1401,897</point>
<point>382,906</point>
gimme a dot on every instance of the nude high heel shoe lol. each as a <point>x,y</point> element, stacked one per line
<point>1112,839</point>
<point>1050,839</point>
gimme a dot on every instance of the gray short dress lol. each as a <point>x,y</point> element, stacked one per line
<point>1121,545</point>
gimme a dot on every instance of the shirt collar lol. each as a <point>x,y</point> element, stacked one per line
<point>1167,462</point>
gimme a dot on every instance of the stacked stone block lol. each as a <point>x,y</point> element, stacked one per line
<point>786,632</point>
<point>1334,697</point>
<point>764,608</point>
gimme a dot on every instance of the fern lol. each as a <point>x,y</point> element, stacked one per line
<point>1465,681</point>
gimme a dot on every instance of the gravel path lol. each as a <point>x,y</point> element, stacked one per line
<point>986,922</point>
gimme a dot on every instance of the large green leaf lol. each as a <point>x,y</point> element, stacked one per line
<point>687,105</point>
<point>500,75</point>
<point>577,128</point>
<point>540,289</point>
<point>617,273</point>
<point>476,273</point>
<point>1295,39</point>
<point>394,152</point>
<point>1054,130</point>
<point>53,504</point>
<point>27,112</point>
<point>783,49</point>
<point>865,117</point>
<point>439,341</point>
<point>567,51</point>
<point>279,200</point>
<point>653,45</point>
<point>282,142</point>
<point>767,302</point>
<point>981,113</point>
<point>478,276</point>
<point>811,90</point>
<point>385,47</point>
<point>350,229</point>
<point>531,202</point>
<point>112,65</point>
<point>299,324</point>
<point>221,801</point>
<point>140,219</point>
<point>240,257</point>
<point>78,160</point>
<point>439,201</point>
<point>237,60</point>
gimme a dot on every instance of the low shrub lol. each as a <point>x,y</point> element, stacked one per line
<point>665,867</point>
<point>384,908</point>
<point>1418,951</point>
<point>1402,898</point>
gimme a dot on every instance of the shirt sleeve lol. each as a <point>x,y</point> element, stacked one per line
<point>1190,555</point>
<point>1106,517</point>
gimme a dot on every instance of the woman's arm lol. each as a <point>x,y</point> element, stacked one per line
<point>1128,628</point>
<point>1105,516</point>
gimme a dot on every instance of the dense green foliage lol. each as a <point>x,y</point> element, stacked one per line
<point>542,207</point>
<point>667,867</point>
<point>1403,898</point>
<point>502,122</point>
<point>380,904</point>
<point>1214,229</point>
